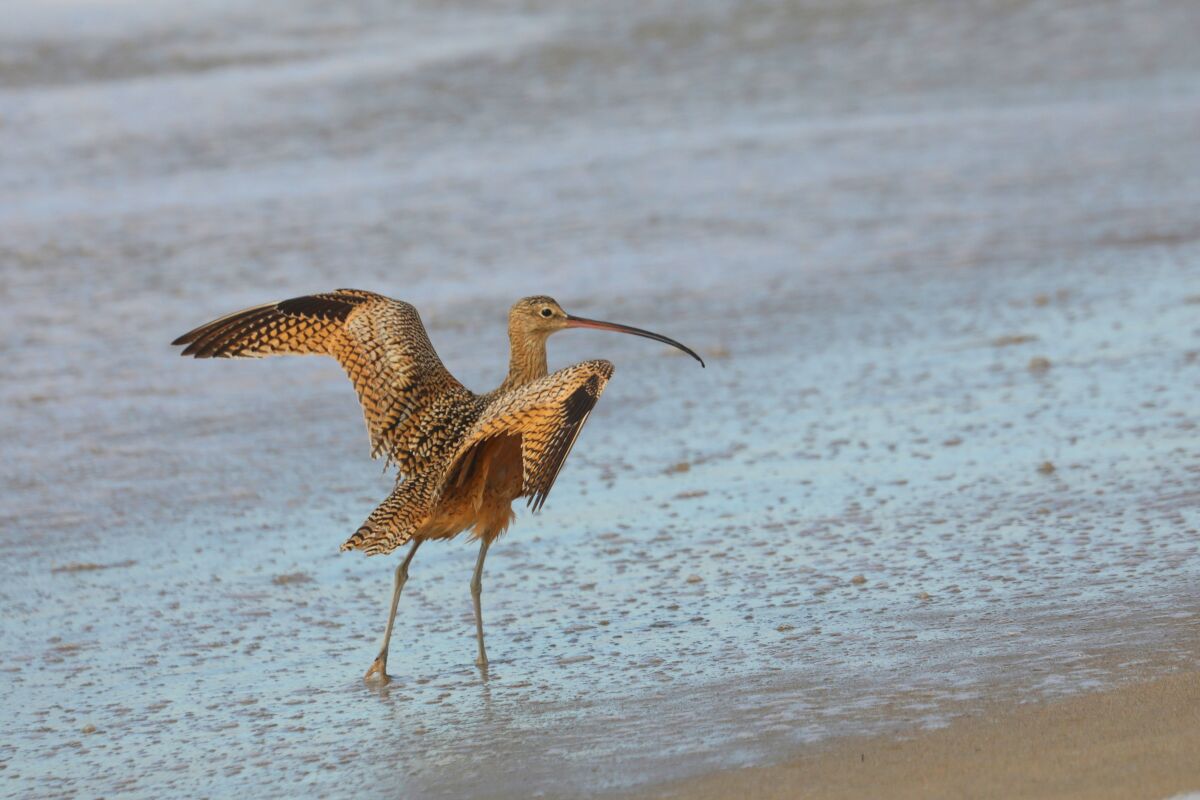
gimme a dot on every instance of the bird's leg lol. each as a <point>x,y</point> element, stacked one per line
<point>380,664</point>
<point>476,591</point>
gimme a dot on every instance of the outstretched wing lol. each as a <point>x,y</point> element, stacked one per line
<point>381,344</point>
<point>547,415</point>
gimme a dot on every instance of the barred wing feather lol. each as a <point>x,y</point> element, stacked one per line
<point>403,387</point>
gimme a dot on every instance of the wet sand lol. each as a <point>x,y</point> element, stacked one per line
<point>943,456</point>
<point>1138,741</point>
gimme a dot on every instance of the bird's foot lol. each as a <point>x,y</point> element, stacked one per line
<point>378,667</point>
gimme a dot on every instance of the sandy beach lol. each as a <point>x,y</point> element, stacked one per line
<point>935,491</point>
<point>1138,741</point>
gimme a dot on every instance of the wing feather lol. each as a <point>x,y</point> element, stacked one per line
<point>402,385</point>
<point>548,415</point>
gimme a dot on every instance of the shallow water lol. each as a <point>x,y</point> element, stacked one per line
<point>873,221</point>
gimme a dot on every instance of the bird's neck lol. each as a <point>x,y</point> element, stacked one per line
<point>527,359</point>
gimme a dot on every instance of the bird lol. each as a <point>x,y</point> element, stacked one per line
<point>462,458</point>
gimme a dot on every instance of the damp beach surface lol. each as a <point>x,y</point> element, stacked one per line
<point>941,263</point>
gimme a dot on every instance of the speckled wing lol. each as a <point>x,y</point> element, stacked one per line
<point>398,518</point>
<point>380,342</point>
<point>548,415</point>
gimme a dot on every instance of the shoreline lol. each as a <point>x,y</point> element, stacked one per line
<point>1135,740</point>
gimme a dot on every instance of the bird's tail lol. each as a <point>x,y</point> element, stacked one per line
<point>395,521</point>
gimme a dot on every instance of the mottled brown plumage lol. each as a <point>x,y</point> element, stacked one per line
<point>462,457</point>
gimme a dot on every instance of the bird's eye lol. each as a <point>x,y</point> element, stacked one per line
<point>547,312</point>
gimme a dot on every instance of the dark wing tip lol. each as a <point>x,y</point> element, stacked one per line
<point>320,306</point>
<point>220,338</point>
<point>575,413</point>
<point>195,334</point>
<point>193,339</point>
<point>196,338</point>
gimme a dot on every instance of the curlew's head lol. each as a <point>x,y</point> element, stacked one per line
<point>535,318</point>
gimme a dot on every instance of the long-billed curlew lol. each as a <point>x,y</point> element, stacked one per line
<point>462,457</point>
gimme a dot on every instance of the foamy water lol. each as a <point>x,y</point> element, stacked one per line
<point>945,446</point>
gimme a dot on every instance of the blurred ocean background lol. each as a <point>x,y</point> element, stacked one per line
<point>941,257</point>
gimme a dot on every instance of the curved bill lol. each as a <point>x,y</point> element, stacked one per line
<point>582,322</point>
